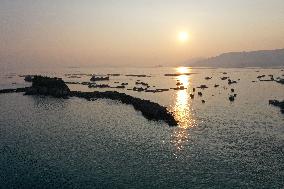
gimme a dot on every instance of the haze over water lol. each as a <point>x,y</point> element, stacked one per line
<point>127,32</point>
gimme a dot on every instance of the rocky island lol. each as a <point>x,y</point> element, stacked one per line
<point>150,110</point>
<point>278,103</point>
<point>56,87</point>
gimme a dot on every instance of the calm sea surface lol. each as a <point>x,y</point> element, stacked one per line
<point>56,143</point>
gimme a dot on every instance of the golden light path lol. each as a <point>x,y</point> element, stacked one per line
<point>182,110</point>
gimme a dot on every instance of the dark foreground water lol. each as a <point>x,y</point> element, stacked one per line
<point>55,143</point>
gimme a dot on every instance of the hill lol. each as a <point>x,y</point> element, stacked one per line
<point>263,58</point>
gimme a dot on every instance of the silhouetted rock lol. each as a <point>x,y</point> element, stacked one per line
<point>203,101</point>
<point>86,83</point>
<point>232,90</point>
<point>224,78</point>
<point>281,81</point>
<point>17,90</point>
<point>202,87</point>
<point>150,110</point>
<point>29,78</point>
<point>279,104</point>
<point>231,98</point>
<point>199,93</point>
<point>207,78</point>
<point>216,85</point>
<point>260,76</point>
<point>231,82</point>
<point>179,88</point>
<point>96,78</point>
<point>48,86</point>
<point>138,89</point>
<point>56,87</point>
<point>120,87</point>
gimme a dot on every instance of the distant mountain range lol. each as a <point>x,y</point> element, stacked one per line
<point>263,58</point>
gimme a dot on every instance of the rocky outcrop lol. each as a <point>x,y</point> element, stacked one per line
<point>178,88</point>
<point>29,78</point>
<point>48,86</point>
<point>277,103</point>
<point>232,98</point>
<point>56,87</point>
<point>96,78</point>
<point>230,82</point>
<point>150,110</point>
<point>18,90</point>
<point>202,87</point>
<point>280,80</point>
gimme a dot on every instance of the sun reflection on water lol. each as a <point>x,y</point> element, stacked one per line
<point>182,108</point>
<point>183,111</point>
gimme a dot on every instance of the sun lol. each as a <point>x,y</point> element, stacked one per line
<point>182,70</point>
<point>183,36</point>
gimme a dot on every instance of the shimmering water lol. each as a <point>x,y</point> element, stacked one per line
<point>74,143</point>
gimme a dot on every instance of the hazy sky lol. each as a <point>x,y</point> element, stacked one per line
<point>134,31</point>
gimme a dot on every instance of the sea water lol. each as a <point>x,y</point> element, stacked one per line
<point>73,143</point>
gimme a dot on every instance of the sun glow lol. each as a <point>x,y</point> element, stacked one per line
<point>183,36</point>
<point>182,70</point>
